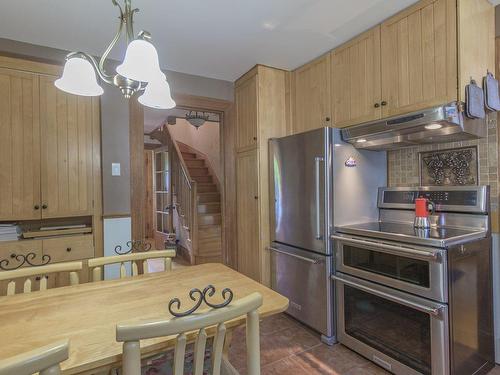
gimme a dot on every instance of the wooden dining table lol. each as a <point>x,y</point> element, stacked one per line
<point>87,314</point>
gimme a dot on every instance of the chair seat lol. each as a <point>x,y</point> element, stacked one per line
<point>163,363</point>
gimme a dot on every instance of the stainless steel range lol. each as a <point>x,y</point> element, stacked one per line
<point>419,301</point>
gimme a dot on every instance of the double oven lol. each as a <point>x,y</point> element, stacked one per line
<point>417,302</point>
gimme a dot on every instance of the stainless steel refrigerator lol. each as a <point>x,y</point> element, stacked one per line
<point>317,181</point>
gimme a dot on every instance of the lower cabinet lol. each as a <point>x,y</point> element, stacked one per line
<point>247,206</point>
<point>31,253</point>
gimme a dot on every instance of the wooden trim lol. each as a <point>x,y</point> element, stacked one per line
<point>97,222</point>
<point>201,103</point>
<point>29,65</point>
<point>117,215</point>
<point>56,232</point>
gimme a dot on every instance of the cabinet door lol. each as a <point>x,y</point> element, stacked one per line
<point>19,146</point>
<point>419,57</point>
<point>246,114</point>
<point>247,207</point>
<point>311,87</point>
<point>356,80</point>
<point>66,125</point>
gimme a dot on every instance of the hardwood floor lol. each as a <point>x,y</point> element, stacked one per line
<point>290,348</point>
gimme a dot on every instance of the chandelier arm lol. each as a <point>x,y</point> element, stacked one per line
<point>104,56</point>
<point>102,75</point>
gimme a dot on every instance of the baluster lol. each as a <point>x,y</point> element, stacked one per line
<point>180,352</point>
<point>27,286</point>
<point>11,288</point>
<point>145,267</point>
<point>97,274</point>
<point>168,264</point>
<point>123,271</point>
<point>217,348</point>
<point>199,352</point>
<point>135,271</point>
<point>74,279</point>
<point>43,282</point>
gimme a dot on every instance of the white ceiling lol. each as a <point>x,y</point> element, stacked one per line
<point>212,38</point>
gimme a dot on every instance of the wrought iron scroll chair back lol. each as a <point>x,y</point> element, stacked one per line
<point>45,361</point>
<point>41,272</point>
<point>191,326</point>
<point>137,253</point>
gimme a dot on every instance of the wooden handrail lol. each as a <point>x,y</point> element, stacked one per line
<point>182,185</point>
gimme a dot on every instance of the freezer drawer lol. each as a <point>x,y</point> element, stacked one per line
<point>302,277</point>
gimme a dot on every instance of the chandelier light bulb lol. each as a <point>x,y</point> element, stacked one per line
<point>79,78</point>
<point>157,94</point>
<point>141,62</point>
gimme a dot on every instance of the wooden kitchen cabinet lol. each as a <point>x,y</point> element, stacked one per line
<point>66,152</point>
<point>262,98</point>
<point>246,113</point>
<point>247,208</point>
<point>311,95</point>
<point>421,65</point>
<point>19,146</point>
<point>356,82</point>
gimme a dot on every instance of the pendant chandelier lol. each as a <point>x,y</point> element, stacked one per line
<point>140,70</point>
<point>197,119</point>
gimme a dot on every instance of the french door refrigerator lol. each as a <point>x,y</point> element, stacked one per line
<point>317,181</point>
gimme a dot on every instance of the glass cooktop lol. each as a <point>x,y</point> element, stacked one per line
<point>436,236</point>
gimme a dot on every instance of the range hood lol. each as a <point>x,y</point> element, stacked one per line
<point>440,124</point>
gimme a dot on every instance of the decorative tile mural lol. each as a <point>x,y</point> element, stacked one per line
<point>403,164</point>
<point>456,166</point>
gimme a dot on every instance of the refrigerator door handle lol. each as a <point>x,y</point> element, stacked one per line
<point>317,161</point>
<point>313,261</point>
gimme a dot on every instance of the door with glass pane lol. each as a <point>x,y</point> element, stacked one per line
<point>162,196</point>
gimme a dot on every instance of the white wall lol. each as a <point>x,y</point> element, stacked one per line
<point>205,139</point>
<point>116,232</point>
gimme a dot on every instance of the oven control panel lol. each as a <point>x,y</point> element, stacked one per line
<point>460,199</point>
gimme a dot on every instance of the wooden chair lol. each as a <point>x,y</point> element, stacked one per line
<point>27,272</point>
<point>96,265</point>
<point>131,334</point>
<point>43,360</point>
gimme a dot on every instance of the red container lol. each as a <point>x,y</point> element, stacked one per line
<point>421,207</point>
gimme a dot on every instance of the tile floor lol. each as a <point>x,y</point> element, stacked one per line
<point>289,348</point>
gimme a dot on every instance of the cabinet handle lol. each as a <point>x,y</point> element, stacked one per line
<point>377,105</point>
<point>44,206</point>
<point>254,138</point>
<point>384,102</point>
<point>256,197</point>
<point>37,207</point>
<point>327,119</point>
<point>68,249</point>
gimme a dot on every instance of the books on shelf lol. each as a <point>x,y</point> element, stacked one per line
<point>9,232</point>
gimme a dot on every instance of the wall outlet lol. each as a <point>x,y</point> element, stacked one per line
<point>115,169</point>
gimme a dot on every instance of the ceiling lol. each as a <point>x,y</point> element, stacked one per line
<point>212,38</point>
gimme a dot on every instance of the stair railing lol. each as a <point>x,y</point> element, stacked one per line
<point>183,187</point>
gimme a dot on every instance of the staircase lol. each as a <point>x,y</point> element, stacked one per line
<point>196,198</point>
<point>208,204</point>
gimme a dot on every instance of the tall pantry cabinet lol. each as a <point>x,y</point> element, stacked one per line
<point>261,113</point>
<point>50,162</point>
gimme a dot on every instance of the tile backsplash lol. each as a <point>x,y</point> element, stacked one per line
<point>403,164</point>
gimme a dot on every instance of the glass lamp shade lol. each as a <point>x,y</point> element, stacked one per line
<point>79,78</point>
<point>141,61</point>
<point>157,94</point>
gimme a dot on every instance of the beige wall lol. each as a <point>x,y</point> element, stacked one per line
<point>206,139</point>
<point>115,118</point>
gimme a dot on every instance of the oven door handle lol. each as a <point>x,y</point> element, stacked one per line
<point>393,249</point>
<point>313,261</point>
<point>434,311</point>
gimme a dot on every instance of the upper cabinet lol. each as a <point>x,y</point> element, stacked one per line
<point>419,57</point>
<point>356,89</point>
<point>19,146</point>
<point>66,151</point>
<point>311,101</point>
<point>246,113</point>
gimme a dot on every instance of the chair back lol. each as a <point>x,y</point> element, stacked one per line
<point>195,325</point>
<point>26,273</point>
<point>96,265</point>
<point>43,360</point>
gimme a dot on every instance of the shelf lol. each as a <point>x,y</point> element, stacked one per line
<point>56,232</point>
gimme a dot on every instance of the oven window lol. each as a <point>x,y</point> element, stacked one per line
<point>396,267</point>
<point>395,330</point>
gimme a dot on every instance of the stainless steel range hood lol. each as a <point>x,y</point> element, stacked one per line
<point>440,124</point>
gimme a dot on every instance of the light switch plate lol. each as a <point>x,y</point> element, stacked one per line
<point>115,169</point>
